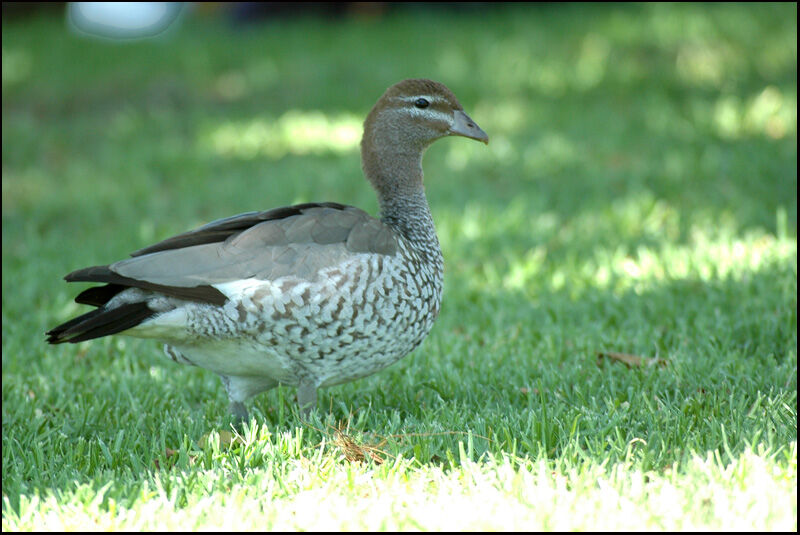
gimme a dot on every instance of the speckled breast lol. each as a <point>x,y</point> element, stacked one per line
<point>351,321</point>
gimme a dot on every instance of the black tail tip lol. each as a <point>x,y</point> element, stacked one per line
<point>100,322</point>
<point>54,337</point>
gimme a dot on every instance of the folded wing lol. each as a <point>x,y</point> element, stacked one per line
<point>297,240</point>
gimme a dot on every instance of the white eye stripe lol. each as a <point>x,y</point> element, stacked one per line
<point>433,99</point>
<point>427,113</point>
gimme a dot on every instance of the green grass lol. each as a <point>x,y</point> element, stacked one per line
<point>639,195</point>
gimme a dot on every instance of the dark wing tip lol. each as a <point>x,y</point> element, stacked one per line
<point>99,323</point>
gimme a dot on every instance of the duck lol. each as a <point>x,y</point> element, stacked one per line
<point>307,296</point>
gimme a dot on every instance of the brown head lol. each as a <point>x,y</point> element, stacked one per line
<point>410,116</point>
<point>417,112</point>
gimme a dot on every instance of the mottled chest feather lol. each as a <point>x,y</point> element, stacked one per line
<point>349,321</point>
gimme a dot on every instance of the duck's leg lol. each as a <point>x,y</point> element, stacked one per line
<point>307,396</point>
<point>237,408</point>
<point>243,388</point>
<point>239,412</point>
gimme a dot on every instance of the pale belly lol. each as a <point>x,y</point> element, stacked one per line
<point>349,323</point>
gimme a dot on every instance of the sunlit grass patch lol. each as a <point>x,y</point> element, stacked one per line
<point>16,66</point>
<point>647,249</point>
<point>770,112</point>
<point>295,132</point>
<point>753,491</point>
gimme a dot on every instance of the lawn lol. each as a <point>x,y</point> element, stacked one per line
<point>638,196</point>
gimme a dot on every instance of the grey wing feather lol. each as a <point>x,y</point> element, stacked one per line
<point>307,240</point>
<point>221,229</point>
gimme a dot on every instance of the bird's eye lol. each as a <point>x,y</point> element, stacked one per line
<point>421,103</point>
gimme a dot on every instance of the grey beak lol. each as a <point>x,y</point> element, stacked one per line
<point>464,126</point>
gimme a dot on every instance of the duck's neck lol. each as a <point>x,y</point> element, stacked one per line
<point>397,179</point>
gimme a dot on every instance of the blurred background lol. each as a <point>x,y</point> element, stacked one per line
<point>641,178</point>
<point>638,195</point>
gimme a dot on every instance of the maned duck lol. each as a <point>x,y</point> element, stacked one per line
<point>308,295</point>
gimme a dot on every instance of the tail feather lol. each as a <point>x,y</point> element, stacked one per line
<point>54,334</point>
<point>99,295</point>
<point>100,322</point>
